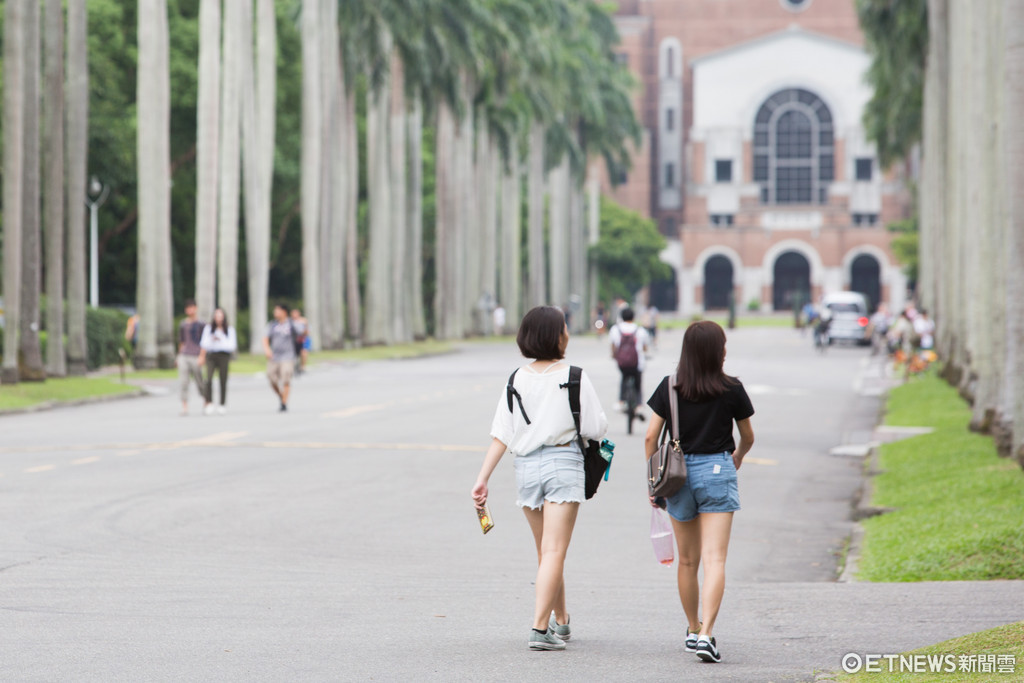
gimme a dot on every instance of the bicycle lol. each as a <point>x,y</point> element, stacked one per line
<point>821,340</point>
<point>632,400</point>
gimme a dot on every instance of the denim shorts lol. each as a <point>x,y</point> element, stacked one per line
<point>550,473</point>
<point>710,487</point>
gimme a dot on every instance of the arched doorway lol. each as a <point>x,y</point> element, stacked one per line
<point>791,281</point>
<point>665,293</point>
<point>865,277</point>
<point>717,282</point>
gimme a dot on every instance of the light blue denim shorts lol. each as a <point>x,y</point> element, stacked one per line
<point>710,487</point>
<point>550,473</point>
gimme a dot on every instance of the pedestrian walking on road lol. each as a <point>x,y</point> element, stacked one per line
<point>190,355</point>
<point>709,402</point>
<point>303,344</point>
<point>279,348</point>
<point>219,341</point>
<point>548,462</point>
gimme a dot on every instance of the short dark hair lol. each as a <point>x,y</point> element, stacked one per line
<point>190,302</point>
<point>540,333</point>
<point>283,307</point>
<point>627,314</point>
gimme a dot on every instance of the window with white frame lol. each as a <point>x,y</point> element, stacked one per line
<point>794,154</point>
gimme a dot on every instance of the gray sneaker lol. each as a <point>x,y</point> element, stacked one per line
<point>545,641</point>
<point>691,639</point>
<point>560,630</point>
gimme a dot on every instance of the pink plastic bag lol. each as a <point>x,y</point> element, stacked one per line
<point>661,537</point>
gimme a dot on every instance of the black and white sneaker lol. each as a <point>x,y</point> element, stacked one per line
<point>691,640</point>
<point>707,651</point>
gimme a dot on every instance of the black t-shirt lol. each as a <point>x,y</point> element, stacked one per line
<point>705,427</point>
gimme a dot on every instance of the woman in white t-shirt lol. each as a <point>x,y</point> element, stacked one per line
<point>541,433</point>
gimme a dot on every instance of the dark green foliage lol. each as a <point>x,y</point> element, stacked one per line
<point>627,253</point>
<point>905,246</point>
<point>104,328</point>
<point>896,32</point>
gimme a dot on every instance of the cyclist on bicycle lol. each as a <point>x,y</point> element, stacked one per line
<point>629,344</point>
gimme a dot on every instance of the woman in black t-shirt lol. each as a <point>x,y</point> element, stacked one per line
<point>709,402</point>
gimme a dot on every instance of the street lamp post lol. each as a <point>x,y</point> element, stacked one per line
<point>97,195</point>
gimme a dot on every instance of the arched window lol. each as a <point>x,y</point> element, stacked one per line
<point>794,158</point>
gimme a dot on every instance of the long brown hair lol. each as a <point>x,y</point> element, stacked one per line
<point>699,376</point>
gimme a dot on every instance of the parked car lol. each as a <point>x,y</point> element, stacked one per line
<point>849,317</point>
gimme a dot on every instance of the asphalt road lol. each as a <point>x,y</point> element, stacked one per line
<point>338,541</point>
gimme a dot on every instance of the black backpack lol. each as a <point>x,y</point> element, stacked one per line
<point>594,465</point>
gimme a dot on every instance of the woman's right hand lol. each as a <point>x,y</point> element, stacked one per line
<point>479,494</point>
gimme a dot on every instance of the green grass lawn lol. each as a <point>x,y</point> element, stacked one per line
<point>27,394</point>
<point>958,505</point>
<point>254,363</point>
<point>1003,640</point>
<point>780,320</point>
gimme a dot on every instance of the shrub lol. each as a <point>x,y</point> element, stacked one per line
<point>104,330</point>
<point>754,305</point>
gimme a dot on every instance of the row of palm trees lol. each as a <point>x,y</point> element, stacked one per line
<point>972,206</point>
<point>45,114</point>
<point>508,88</point>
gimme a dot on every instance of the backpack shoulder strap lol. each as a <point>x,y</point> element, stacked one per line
<point>575,377</point>
<point>510,391</point>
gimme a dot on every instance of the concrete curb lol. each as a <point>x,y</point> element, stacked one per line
<point>50,405</point>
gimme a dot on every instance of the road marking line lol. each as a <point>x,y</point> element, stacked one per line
<point>760,461</point>
<point>86,461</point>
<point>129,453</point>
<point>40,468</point>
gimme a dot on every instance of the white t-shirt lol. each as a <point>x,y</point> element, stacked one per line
<point>547,405</point>
<point>641,338</point>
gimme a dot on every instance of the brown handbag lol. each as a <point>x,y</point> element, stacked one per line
<point>666,468</point>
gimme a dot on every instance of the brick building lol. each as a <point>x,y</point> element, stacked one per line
<point>754,161</point>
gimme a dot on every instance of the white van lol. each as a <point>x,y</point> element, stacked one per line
<point>849,314</point>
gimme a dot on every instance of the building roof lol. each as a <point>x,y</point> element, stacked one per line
<point>793,31</point>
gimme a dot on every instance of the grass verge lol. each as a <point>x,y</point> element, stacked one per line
<point>742,321</point>
<point>958,505</point>
<point>253,363</point>
<point>1007,641</point>
<point>60,390</point>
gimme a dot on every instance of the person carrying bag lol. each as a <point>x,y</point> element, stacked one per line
<point>702,403</point>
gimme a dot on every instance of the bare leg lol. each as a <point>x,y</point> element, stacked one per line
<point>536,520</point>
<point>285,390</point>
<point>688,540</point>
<point>556,524</point>
<point>715,528</point>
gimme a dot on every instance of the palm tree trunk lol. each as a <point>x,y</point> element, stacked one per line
<point>257,234</point>
<point>935,132</point>
<point>537,279</point>
<point>1013,21</point>
<point>353,298</point>
<point>558,232</point>
<point>207,155</point>
<point>489,228</point>
<point>77,122</point>
<point>378,278</point>
<point>511,239</point>
<point>13,190</point>
<point>577,259</point>
<point>400,323</point>
<point>466,231</point>
<point>475,296</point>
<point>54,195</point>
<point>154,185</point>
<point>593,235</point>
<point>312,139</point>
<point>414,209</point>
<point>266,112</point>
<point>31,358</point>
<point>333,196</point>
<point>445,308</point>
<point>230,151</point>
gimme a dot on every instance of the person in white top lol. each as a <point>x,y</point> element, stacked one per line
<point>219,342</point>
<point>924,328</point>
<point>541,433</point>
<point>630,357</point>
